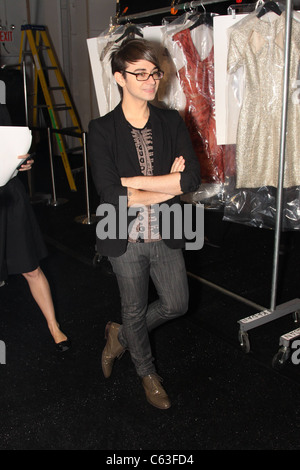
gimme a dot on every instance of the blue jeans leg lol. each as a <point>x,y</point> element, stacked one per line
<point>167,270</point>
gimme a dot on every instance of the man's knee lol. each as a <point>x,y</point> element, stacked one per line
<point>176,308</point>
<point>183,307</point>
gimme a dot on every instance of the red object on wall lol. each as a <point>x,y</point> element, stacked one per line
<point>6,36</point>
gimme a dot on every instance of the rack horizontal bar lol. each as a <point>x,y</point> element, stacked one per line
<point>288,337</point>
<point>161,11</point>
<point>265,316</point>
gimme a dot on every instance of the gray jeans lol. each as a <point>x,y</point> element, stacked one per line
<point>166,268</point>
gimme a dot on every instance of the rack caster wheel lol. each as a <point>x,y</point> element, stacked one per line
<point>296,316</point>
<point>281,358</point>
<point>244,341</point>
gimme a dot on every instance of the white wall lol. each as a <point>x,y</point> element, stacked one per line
<point>70,23</point>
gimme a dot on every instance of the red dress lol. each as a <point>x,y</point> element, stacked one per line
<point>197,81</point>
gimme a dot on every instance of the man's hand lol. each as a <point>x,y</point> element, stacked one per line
<point>178,165</point>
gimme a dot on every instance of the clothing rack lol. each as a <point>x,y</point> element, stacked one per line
<point>274,312</point>
<point>293,306</point>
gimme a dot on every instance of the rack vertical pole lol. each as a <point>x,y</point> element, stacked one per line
<point>54,202</point>
<point>88,218</point>
<point>288,24</point>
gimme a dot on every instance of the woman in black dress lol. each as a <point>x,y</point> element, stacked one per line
<point>22,246</point>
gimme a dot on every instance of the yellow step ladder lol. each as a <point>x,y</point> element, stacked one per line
<point>45,60</point>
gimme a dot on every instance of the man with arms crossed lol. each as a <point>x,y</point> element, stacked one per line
<point>144,154</point>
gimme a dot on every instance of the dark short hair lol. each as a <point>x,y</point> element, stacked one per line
<point>130,51</point>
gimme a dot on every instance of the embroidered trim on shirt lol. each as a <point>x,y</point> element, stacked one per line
<point>145,228</point>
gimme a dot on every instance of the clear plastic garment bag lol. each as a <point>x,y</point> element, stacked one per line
<point>190,43</point>
<point>256,47</point>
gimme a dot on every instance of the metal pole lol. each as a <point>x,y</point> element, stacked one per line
<point>288,23</point>
<point>51,166</point>
<point>29,174</point>
<point>160,11</point>
<point>227,292</point>
<point>25,91</point>
<point>54,202</point>
<point>86,219</point>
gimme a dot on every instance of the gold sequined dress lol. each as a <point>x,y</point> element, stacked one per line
<point>257,45</point>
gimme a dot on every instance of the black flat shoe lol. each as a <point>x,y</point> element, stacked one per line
<point>63,346</point>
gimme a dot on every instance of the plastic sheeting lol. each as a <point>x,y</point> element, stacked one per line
<point>189,41</point>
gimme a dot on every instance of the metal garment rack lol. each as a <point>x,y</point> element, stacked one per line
<point>293,306</point>
<point>274,312</point>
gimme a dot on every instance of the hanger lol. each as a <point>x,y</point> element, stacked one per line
<point>267,7</point>
<point>203,18</point>
<point>130,32</point>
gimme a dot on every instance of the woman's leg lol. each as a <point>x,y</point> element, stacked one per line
<point>41,293</point>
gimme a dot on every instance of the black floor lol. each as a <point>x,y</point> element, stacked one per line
<point>222,398</point>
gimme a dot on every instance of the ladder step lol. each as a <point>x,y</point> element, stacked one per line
<point>77,170</point>
<point>69,131</point>
<point>34,27</point>
<point>53,88</point>
<point>61,107</point>
<point>74,150</point>
<point>49,67</point>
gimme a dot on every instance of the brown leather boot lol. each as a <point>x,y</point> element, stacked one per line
<point>155,393</point>
<point>113,348</point>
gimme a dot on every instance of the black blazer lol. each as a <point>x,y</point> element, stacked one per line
<point>112,155</point>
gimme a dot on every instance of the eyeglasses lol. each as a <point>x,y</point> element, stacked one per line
<point>144,76</point>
